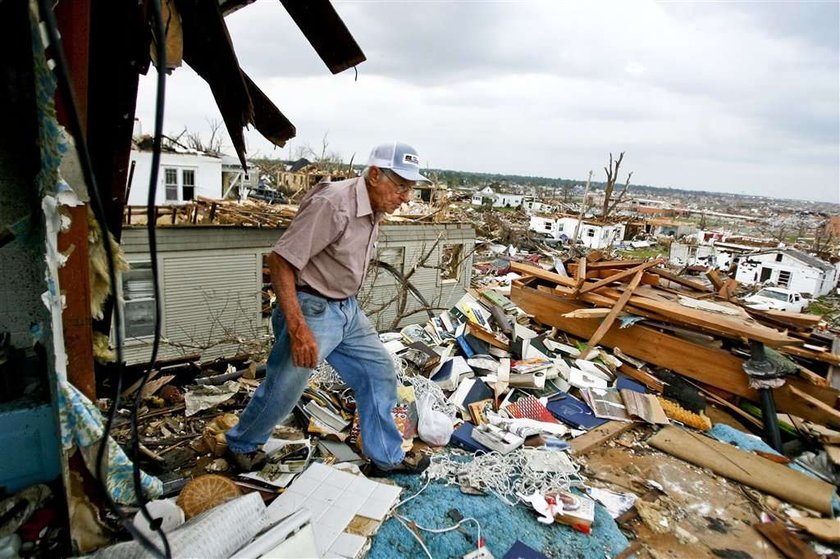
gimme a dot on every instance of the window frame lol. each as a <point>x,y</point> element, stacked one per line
<point>125,300</point>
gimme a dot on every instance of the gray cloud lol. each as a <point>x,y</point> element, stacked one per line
<point>716,96</point>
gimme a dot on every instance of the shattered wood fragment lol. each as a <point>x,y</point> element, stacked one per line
<point>824,357</point>
<point>636,271</point>
<point>714,277</point>
<point>598,436</point>
<point>696,286</point>
<point>824,529</point>
<point>785,541</point>
<point>608,321</point>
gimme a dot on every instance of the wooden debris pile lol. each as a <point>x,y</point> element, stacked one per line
<point>670,322</point>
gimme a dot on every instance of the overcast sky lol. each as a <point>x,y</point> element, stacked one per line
<point>732,97</point>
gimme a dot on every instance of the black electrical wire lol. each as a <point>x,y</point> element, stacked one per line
<point>160,97</point>
<point>77,131</point>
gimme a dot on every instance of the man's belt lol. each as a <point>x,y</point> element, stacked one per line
<point>313,291</point>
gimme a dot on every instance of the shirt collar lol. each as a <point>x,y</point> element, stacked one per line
<point>362,199</point>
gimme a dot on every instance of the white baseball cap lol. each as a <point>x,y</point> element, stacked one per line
<point>400,158</point>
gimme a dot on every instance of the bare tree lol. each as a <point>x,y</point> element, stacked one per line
<point>189,139</point>
<point>612,178</point>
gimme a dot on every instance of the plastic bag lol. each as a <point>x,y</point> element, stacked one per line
<point>434,427</point>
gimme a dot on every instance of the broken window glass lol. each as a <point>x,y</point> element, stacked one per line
<point>450,262</point>
<point>139,302</point>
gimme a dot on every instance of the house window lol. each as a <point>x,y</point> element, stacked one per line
<point>188,186</point>
<point>170,178</point>
<point>547,226</point>
<point>395,256</point>
<point>450,262</point>
<point>590,232</point>
<point>779,257</point>
<point>784,278</point>
<point>139,302</point>
<point>765,274</point>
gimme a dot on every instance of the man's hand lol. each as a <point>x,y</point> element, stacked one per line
<point>304,347</point>
<point>303,344</point>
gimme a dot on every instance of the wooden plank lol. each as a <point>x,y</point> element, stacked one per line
<point>825,357</point>
<point>538,272</point>
<point>660,309</point>
<point>608,321</point>
<point>703,363</point>
<point>598,436</point>
<point>785,541</point>
<point>620,275</point>
<point>815,403</point>
<point>580,274</point>
<point>614,264</point>
<point>714,277</point>
<point>691,284</point>
<point>74,278</point>
<point>744,467</point>
<point>726,325</point>
<point>641,376</point>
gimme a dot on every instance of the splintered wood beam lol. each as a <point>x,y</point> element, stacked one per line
<point>620,276</point>
<point>666,311</point>
<point>825,357</point>
<point>641,376</point>
<point>538,272</point>
<point>580,274</point>
<point>697,286</point>
<point>785,541</point>
<point>714,277</point>
<point>615,264</point>
<point>816,404</point>
<point>607,323</point>
<point>705,363</point>
<point>725,325</point>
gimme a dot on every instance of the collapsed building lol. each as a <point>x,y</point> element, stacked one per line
<point>574,405</point>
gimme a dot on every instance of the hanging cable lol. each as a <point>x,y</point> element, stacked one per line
<point>151,228</point>
<point>98,207</point>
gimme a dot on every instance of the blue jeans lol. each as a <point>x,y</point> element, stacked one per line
<point>349,342</point>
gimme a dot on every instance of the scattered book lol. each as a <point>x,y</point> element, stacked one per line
<point>605,403</point>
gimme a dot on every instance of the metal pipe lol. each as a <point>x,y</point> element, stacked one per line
<point>772,435</point>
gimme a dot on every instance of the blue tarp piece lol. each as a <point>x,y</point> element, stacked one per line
<point>501,526</point>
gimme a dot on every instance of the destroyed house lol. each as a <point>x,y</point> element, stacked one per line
<point>592,234</point>
<point>789,268</point>
<point>184,175</point>
<point>214,284</point>
<point>237,180</point>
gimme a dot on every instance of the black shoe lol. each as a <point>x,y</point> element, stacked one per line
<point>247,461</point>
<point>412,465</point>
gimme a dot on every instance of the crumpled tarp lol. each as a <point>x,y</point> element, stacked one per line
<point>82,425</point>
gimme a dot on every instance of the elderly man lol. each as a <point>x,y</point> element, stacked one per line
<point>317,268</point>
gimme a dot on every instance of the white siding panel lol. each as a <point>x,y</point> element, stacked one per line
<point>210,298</point>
